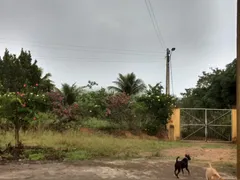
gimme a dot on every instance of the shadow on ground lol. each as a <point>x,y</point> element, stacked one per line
<point>96,170</point>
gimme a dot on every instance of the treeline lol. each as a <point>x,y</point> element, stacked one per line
<point>214,89</point>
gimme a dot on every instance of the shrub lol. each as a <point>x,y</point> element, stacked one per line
<point>63,112</point>
<point>119,110</point>
<point>45,121</point>
<point>93,103</point>
<point>96,123</point>
<point>159,108</point>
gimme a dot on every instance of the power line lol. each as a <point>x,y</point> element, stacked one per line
<point>152,19</point>
<point>89,49</point>
<point>97,60</point>
<point>94,60</point>
<point>160,34</point>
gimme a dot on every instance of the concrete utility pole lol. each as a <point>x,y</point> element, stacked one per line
<point>168,72</point>
<point>238,90</point>
<point>168,58</point>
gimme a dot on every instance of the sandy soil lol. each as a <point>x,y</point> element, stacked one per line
<point>202,154</point>
<point>93,170</point>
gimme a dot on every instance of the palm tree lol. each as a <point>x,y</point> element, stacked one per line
<point>129,84</point>
<point>70,93</point>
<point>47,83</point>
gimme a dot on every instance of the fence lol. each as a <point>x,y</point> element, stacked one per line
<point>203,124</point>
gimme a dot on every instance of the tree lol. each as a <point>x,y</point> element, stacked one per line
<point>129,84</point>
<point>45,81</point>
<point>214,89</point>
<point>16,71</point>
<point>22,107</point>
<point>70,93</point>
<point>21,95</point>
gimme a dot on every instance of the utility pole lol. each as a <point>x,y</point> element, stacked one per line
<point>238,90</point>
<point>168,72</point>
<point>168,58</point>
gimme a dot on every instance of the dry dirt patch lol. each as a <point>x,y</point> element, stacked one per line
<point>97,170</point>
<point>203,154</point>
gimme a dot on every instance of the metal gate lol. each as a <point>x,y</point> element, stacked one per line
<point>206,124</point>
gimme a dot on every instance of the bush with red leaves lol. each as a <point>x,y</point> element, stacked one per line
<point>119,109</point>
<point>117,101</point>
<point>62,111</point>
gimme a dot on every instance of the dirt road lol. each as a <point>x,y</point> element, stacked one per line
<point>97,170</point>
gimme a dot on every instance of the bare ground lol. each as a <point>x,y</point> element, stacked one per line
<point>147,169</point>
<point>93,170</point>
<point>225,155</point>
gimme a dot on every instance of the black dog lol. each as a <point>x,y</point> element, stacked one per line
<point>180,165</point>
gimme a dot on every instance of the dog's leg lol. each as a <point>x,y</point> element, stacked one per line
<point>188,170</point>
<point>182,171</point>
<point>178,173</point>
<point>175,172</point>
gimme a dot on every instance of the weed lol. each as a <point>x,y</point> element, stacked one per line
<point>36,157</point>
<point>77,155</point>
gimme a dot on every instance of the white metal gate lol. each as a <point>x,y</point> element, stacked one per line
<point>206,124</point>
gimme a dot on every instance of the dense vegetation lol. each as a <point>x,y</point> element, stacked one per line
<point>30,101</point>
<point>214,89</point>
<point>37,113</point>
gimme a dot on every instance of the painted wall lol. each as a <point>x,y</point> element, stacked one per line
<point>174,122</point>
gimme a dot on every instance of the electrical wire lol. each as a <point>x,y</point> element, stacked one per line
<point>149,8</point>
<point>158,29</point>
<point>87,48</point>
<point>97,60</point>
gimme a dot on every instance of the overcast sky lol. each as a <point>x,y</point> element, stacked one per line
<point>81,40</point>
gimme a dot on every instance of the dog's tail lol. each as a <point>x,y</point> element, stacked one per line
<point>177,159</point>
<point>210,165</point>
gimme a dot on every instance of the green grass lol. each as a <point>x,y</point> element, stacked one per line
<point>36,156</point>
<point>99,124</point>
<point>96,123</point>
<point>78,146</point>
<point>77,155</point>
<point>74,145</point>
<point>218,145</point>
